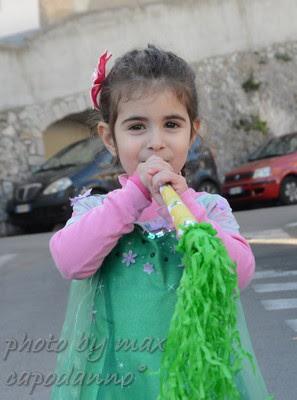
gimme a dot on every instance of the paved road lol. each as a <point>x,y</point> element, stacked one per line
<point>272,221</point>
<point>270,304</point>
<point>33,300</point>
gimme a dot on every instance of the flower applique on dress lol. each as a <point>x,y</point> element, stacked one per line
<point>129,258</point>
<point>148,268</point>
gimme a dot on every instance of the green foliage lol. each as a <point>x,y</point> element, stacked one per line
<point>251,85</point>
<point>251,123</point>
<point>263,60</point>
<point>283,57</point>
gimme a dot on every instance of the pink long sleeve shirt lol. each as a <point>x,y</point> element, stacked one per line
<point>98,222</point>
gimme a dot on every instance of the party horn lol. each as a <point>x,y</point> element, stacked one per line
<point>179,212</point>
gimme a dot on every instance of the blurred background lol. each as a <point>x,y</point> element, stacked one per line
<point>244,53</point>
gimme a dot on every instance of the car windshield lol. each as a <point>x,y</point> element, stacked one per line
<point>82,152</point>
<point>276,147</point>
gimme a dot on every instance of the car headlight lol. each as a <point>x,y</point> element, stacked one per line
<point>262,172</point>
<point>58,186</point>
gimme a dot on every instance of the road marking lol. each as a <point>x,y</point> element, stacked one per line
<point>279,304</point>
<point>292,323</point>
<point>274,287</point>
<point>284,241</point>
<point>273,274</point>
<point>292,225</point>
<point>271,233</point>
<point>7,257</point>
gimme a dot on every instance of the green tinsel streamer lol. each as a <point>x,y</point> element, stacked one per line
<point>203,351</point>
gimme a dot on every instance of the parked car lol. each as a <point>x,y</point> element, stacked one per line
<point>270,174</point>
<point>43,200</point>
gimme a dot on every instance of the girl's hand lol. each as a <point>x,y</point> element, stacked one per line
<point>150,167</point>
<point>155,172</point>
<point>177,181</point>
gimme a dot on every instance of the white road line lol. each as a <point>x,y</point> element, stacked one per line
<point>279,304</point>
<point>281,241</point>
<point>274,274</point>
<point>292,323</point>
<point>275,287</point>
<point>270,233</point>
<point>4,259</point>
<point>292,225</point>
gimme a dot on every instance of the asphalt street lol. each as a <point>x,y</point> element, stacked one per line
<point>33,299</point>
<point>271,319</point>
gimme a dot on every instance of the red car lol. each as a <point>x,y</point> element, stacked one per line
<point>270,174</point>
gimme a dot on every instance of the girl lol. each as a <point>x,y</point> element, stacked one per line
<point>119,249</point>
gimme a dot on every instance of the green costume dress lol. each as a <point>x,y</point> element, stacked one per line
<point>124,311</point>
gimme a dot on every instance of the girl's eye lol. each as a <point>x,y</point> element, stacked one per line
<point>136,127</point>
<point>171,124</point>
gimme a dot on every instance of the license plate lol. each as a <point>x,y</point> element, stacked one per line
<point>235,190</point>
<point>22,208</point>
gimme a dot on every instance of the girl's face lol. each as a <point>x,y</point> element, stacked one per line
<point>154,124</point>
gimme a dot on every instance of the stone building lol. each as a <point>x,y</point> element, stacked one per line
<point>245,55</point>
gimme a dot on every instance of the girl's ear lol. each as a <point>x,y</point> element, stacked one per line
<point>195,130</point>
<point>106,136</point>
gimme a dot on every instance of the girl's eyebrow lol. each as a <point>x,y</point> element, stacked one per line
<point>175,116</point>
<point>134,118</point>
<point>139,118</point>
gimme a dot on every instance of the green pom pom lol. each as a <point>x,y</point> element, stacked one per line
<point>203,351</point>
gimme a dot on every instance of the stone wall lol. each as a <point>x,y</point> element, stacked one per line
<point>245,97</point>
<point>55,11</point>
<point>59,61</point>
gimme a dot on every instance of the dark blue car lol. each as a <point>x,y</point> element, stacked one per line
<point>43,200</point>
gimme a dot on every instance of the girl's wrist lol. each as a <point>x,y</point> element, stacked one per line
<point>137,181</point>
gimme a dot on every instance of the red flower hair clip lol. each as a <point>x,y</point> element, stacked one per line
<point>98,78</point>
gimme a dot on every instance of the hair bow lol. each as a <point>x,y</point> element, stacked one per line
<point>98,78</point>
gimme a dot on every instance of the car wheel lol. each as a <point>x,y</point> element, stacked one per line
<point>288,190</point>
<point>209,187</point>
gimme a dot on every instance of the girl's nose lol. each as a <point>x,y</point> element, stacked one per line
<point>156,140</point>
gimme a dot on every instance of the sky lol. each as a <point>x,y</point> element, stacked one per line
<point>18,16</point>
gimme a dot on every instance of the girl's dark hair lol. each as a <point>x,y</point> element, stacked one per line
<point>144,69</point>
